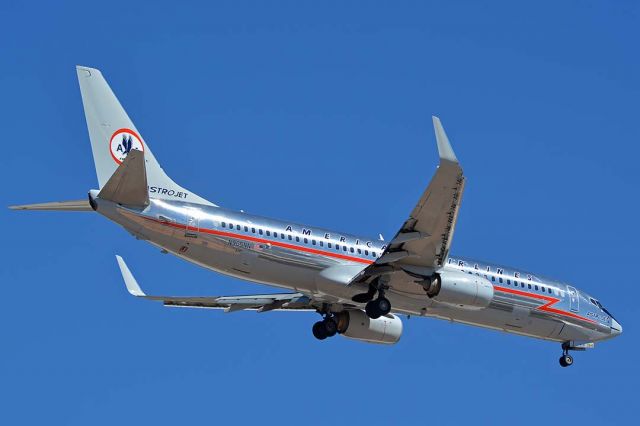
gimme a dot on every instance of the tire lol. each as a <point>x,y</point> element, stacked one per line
<point>383,305</point>
<point>330,327</point>
<point>372,310</point>
<point>566,360</point>
<point>319,330</point>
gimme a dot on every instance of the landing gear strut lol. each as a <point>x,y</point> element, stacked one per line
<point>566,360</point>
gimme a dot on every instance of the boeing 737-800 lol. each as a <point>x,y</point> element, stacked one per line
<point>359,285</point>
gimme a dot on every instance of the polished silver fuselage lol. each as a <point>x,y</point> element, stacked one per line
<point>297,257</point>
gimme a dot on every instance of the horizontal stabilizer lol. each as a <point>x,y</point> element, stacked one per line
<point>128,184</point>
<point>64,206</point>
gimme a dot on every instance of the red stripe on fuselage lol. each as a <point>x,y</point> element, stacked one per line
<point>547,307</point>
<point>261,240</point>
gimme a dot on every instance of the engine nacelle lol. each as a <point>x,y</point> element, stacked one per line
<point>455,288</point>
<point>357,325</point>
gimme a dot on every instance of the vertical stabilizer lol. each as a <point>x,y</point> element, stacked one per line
<point>113,135</point>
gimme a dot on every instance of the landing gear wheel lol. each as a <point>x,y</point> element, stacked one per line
<point>372,310</point>
<point>330,327</point>
<point>566,360</point>
<point>384,306</point>
<point>325,328</point>
<point>319,330</point>
<point>378,307</point>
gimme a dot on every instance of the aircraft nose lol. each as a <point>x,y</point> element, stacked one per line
<point>616,328</point>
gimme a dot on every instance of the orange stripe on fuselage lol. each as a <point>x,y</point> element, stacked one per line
<point>547,307</point>
<point>261,240</point>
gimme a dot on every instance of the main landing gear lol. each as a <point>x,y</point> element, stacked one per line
<point>328,327</point>
<point>380,306</point>
<point>566,360</point>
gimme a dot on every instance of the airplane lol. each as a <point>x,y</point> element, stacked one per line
<point>359,285</point>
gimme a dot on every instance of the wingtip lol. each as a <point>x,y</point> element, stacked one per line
<point>129,280</point>
<point>444,146</point>
<point>87,71</point>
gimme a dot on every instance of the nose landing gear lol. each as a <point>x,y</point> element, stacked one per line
<point>566,360</point>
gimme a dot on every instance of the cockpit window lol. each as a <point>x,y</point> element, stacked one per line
<point>599,305</point>
<point>608,313</point>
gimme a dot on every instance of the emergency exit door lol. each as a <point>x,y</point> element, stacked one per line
<point>192,225</point>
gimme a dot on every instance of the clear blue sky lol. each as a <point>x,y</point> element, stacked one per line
<point>318,112</point>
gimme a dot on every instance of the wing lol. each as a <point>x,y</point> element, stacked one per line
<point>422,244</point>
<point>259,302</point>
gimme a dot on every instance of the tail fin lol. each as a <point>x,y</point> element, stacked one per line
<point>113,135</point>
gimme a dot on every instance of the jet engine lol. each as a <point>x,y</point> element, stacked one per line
<point>355,324</point>
<point>455,288</point>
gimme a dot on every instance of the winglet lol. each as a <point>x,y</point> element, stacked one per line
<point>129,280</point>
<point>444,147</point>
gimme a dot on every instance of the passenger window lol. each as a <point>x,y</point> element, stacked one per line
<point>337,247</point>
<point>351,250</point>
<point>366,252</point>
<point>289,237</point>
<point>306,241</point>
<point>509,282</point>
<point>344,248</point>
<point>224,225</point>
<point>359,251</point>
<point>515,283</point>
<point>321,244</point>
<point>543,289</point>
<point>493,278</point>
<point>329,245</point>
<point>374,254</point>
<point>282,236</point>
<point>522,285</point>
<point>253,230</point>
<point>313,242</point>
<point>246,229</point>
<point>231,226</point>
<point>268,233</point>
<point>260,231</point>
<point>298,239</point>
<point>500,279</point>
<point>536,287</point>
<point>529,286</point>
